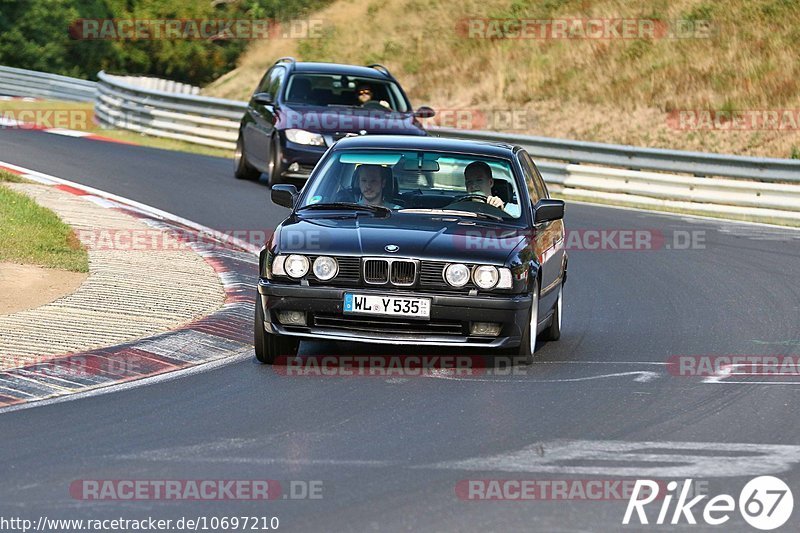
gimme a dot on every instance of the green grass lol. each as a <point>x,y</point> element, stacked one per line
<point>32,234</point>
<point>10,177</point>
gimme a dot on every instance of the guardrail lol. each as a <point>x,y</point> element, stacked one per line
<point>159,84</point>
<point>195,119</point>
<point>763,189</point>
<point>21,82</point>
<point>637,158</point>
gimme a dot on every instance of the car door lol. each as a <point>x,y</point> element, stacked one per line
<point>549,237</point>
<point>261,123</point>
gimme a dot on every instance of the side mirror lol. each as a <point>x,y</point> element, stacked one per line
<point>262,98</point>
<point>547,210</point>
<point>425,112</point>
<point>284,195</point>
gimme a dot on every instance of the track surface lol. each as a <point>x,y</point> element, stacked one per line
<point>380,446</point>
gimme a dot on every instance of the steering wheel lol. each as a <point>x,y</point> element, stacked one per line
<point>467,197</point>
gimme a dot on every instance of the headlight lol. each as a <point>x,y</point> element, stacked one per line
<point>278,265</point>
<point>296,266</point>
<point>485,277</point>
<point>505,278</point>
<point>305,137</point>
<point>325,268</point>
<point>456,275</point>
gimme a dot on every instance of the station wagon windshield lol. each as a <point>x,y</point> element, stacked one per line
<point>416,182</point>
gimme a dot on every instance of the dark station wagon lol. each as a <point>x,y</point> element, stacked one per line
<point>416,240</point>
<point>300,109</point>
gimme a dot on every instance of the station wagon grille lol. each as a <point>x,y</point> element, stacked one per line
<point>400,272</point>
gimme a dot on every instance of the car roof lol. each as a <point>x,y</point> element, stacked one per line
<point>336,68</point>
<point>410,142</point>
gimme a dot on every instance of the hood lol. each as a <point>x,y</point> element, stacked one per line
<point>339,121</point>
<point>437,237</point>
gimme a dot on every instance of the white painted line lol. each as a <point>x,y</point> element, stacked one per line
<point>68,133</point>
<point>643,376</point>
<point>659,459</point>
<point>39,179</point>
<point>102,202</point>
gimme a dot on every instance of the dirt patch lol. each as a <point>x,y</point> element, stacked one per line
<point>27,287</point>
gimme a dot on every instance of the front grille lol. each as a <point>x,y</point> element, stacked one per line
<point>403,272</point>
<point>389,325</point>
<point>400,272</point>
<point>376,271</point>
<point>431,275</point>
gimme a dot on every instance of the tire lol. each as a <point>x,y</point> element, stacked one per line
<point>275,169</point>
<point>553,332</point>
<point>269,347</point>
<point>527,346</point>
<point>241,168</point>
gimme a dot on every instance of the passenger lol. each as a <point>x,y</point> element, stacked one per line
<point>372,181</point>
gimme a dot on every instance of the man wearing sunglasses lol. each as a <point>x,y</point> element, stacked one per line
<point>365,98</point>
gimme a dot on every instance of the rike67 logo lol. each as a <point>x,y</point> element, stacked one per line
<point>765,503</point>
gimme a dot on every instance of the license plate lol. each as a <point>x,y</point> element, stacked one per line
<point>387,305</point>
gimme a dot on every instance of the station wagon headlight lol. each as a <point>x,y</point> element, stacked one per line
<point>325,268</point>
<point>485,276</point>
<point>304,137</point>
<point>456,275</point>
<point>296,266</point>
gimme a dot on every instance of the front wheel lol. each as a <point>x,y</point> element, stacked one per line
<point>527,345</point>
<point>269,347</point>
<point>553,332</point>
<point>275,170</point>
<point>241,168</point>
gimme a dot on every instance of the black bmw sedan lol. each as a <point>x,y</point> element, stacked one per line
<point>417,240</point>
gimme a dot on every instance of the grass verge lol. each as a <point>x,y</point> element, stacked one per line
<point>32,234</point>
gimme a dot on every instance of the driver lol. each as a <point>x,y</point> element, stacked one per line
<point>478,180</point>
<point>372,181</point>
<point>365,97</point>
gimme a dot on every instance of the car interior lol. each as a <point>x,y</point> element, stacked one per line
<point>328,90</point>
<point>414,188</point>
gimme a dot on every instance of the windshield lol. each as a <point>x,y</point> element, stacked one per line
<point>345,91</point>
<point>417,181</point>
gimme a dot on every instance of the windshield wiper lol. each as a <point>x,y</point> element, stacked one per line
<point>455,212</point>
<point>348,205</point>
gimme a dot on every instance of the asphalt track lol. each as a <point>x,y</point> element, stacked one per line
<point>390,452</point>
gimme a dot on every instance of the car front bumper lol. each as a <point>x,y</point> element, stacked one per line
<point>449,322</point>
<point>305,156</point>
